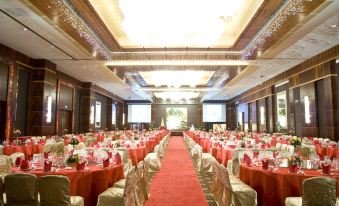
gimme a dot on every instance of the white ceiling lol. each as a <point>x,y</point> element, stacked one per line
<point>44,40</point>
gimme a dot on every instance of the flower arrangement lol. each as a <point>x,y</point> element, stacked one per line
<point>294,160</point>
<point>117,144</point>
<point>16,134</point>
<point>74,141</point>
<point>73,158</point>
<point>295,141</point>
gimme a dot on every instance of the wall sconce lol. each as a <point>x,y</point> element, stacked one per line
<point>91,115</point>
<point>262,115</point>
<point>307,110</point>
<point>49,110</point>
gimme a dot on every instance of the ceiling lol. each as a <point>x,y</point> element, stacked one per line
<point>176,23</point>
<point>89,42</point>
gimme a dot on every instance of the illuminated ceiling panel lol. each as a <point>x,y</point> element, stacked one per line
<point>176,78</point>
<point>176,23</point>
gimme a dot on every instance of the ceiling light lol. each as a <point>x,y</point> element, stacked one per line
<point>176,78</point>
<point>176,96</point>
<point>153,22</point>
<point>25,29</point>
<point>334,25</point>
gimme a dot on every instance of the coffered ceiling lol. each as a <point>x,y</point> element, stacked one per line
<point>221,47</point>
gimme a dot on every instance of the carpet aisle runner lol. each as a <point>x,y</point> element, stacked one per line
<point>176,183</point>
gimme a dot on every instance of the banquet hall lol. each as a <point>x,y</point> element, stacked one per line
<point>169,102</point>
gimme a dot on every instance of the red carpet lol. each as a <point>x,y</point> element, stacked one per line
<point>176,183</point>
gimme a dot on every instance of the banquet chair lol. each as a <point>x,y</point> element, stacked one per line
<point>316,191</point>
<point>139,195</point>
<point>154,160</point>
<point>46,147</point>
<point>235,161</point>
<point>117,196</point>
<point>125,158</point>
<point>121,183</point>
<point>196,151</point>
<point>205,162</point>
<point>60,148</point>
<point>1,149</point>
<point>216,187</point>
<point>1,192</point>
<point>15,155</point>
<point>54,148</point>
<point>144,181</point>
<point>21,190</point>
<point>241,193</point>
<point>5,165</point>
<point>54,190</point>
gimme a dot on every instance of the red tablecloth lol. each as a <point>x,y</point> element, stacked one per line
<point>222,155</point>
<point>87,184</point>
<point>273,187</point>
<point>137,154</point>
<point>150,144</point>
<point>28,150</point>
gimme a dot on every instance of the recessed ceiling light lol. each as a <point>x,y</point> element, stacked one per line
<point>49,6</point>
<point>52,46</point>
<point>304,44</point>
<point>329,41</point>
<point>25,29</point>
<point>334,25</point>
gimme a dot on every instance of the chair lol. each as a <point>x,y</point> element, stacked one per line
<point>21,190</point>
<point>241,194</point>
<point>235,161</point>
<point>139,195</point>
<point>15,155</point>
<point>5,165</point>
<point>154,159</point>
<point>316,191</point>
<point>125,158</point>
<point>117,196</point>
<point>216,187</point>
<point>1,193</point>
<point>54,148</point>
<point>60,148</point>
<point>144,182</point>
<point>54,191</point>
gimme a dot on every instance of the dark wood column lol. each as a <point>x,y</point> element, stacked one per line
<point>231,116</point>
<point>86,102</point>
<point>109,125</point>
<point>43,86</point>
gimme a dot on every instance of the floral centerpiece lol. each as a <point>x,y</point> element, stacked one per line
<point>296,142</point>
<point>293,163</point>
<point>72,159</point>
<point>74,141</point>
<point>117,144</point>
<point>17,134</point>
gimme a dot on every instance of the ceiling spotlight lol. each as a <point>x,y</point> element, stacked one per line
<point>25,29</point>
<point>334,25</point>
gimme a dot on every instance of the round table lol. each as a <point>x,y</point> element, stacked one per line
<point>28,150</point>
<point>137,154</point>
<point>87,184</point>
<point>273,187</point>
<point>222,154</point>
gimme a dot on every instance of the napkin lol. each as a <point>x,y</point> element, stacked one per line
<point>47,165</point>
<point>247,160</point>
<point>117,158</point>
<point>255,154</point>
<point>24,165</point>
<point>46,154</point>
<point>18,161</point>
<point>109,154</point>
<point>264,164</point>
<point>105,162</point>
<point>326,168</point>
<point>80,166</point>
